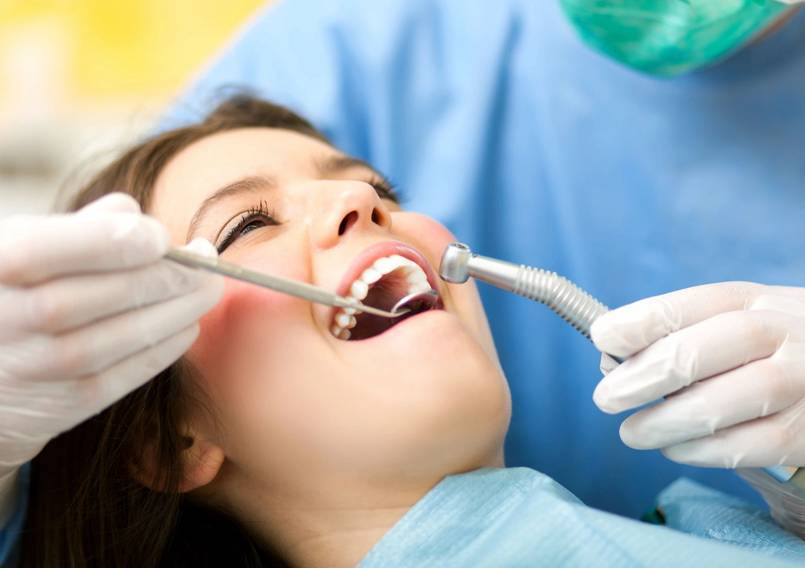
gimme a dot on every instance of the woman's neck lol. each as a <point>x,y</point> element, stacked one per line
<point>339,537</point>
<point>336,526</point>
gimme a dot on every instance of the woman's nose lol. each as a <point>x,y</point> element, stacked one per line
<point>347,206</point>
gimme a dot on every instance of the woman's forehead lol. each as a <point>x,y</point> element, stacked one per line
<point>220,159</point>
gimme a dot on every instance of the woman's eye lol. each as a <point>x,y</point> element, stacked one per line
<point>251,221</point>
<point>251,226</point>
<point>385,189</point>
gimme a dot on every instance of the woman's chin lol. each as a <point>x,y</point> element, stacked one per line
<point>450,383</point>
<point>438,354</point>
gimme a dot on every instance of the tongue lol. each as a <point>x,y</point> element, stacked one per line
<point>384,295</point>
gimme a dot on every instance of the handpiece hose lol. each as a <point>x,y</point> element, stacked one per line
<point>571,303</point>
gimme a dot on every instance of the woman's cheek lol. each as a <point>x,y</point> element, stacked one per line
<point>225,337</point>
<point>425,233</point>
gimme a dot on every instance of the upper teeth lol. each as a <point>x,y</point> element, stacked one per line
<point>417,283</point>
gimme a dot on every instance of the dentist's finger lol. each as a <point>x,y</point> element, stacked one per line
<point>36,248</point>
<point>753,391</point>
<point>627,330</point>
<point>723,342</point>
<point>70,302</point>
<point>123,377</point>
<point>765,442</point>
<point>93,348</point>
<point>792,306</point>
<point>87,395</point>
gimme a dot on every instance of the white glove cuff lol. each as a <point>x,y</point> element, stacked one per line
<point>786,500</point>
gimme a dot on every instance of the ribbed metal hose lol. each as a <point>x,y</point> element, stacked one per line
<point>571,303</point>
<point>580,309</point>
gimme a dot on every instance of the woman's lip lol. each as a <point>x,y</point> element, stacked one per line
<point>366,258</point>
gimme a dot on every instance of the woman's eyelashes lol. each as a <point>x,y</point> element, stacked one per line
<point>385,189</point>
<point>262,215</point>
<point>255,218</point>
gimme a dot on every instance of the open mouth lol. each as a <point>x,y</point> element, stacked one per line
<point>383,281</point>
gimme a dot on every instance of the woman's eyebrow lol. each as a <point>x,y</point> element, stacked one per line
<point>339,163</point>
<point>245,185</point>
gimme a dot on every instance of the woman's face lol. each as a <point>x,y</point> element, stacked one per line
<point>294,403</point>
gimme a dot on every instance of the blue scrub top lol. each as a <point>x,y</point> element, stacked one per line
<point>497,120</point>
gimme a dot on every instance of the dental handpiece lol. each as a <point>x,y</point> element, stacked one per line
<point>571,303</point>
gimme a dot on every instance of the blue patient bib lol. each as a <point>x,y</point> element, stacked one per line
<point>519,517</point>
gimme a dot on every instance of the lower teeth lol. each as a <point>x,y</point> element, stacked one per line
<point>345,319</point>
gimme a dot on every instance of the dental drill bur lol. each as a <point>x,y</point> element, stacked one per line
<point>571,303</point>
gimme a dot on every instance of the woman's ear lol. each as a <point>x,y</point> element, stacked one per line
<point>201,463</point>
<point>200,459</point>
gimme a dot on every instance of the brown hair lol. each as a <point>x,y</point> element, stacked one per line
<point>85,507</point>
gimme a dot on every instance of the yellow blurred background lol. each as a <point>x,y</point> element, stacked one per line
<point>83,76</point>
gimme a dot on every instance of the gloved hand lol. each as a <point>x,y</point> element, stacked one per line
<point>90,312</point>
<point>730,360</point>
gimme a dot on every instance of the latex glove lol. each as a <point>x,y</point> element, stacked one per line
<point>730,360</point>
<point>90,311</point>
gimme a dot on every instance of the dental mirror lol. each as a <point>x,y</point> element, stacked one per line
<point>427,299</point>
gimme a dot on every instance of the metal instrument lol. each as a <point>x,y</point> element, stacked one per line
<point>285,285</point>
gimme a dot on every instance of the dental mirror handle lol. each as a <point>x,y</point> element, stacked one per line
<point>571,303</point>
<point>285,285</point>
